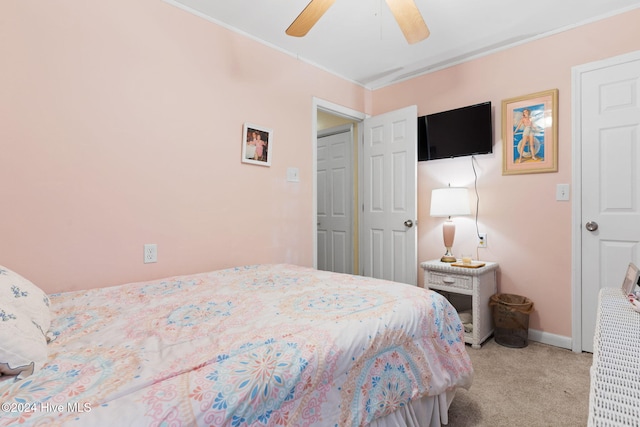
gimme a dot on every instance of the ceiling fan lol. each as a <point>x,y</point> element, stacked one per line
<point>405,11</point>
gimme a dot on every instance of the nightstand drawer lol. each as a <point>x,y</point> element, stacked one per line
<point>451,280</point>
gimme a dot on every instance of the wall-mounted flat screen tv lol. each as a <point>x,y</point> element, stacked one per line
<point>461,132</point>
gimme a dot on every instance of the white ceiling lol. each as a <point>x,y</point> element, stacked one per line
<point>359,39</point>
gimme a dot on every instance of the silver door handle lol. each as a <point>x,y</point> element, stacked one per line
<point>591,226</point>
<point>408,223</point>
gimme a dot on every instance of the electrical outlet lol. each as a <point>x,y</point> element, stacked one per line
<point>150,253</point>
<point>482,240</point>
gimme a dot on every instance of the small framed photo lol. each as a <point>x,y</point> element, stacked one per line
<point>631,279</point>
<point>530,133</point>
<point>257,145</point>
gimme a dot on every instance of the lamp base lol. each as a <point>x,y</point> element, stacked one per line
<point>448,258</point>
<point>448,233</point>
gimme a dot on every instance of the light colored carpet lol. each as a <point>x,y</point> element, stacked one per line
<point>538,385</point>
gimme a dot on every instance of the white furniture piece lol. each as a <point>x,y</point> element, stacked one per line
<point>614,397</point>
<point>471,288</point>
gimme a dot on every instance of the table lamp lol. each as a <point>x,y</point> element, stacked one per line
<point>448,202</point>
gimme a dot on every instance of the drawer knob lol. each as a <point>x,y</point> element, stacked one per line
<point>449,279</point>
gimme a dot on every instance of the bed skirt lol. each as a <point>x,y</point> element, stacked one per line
<point>430,411</point>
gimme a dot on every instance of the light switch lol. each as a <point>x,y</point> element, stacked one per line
<point>562,192</point>
<point>293,175</point>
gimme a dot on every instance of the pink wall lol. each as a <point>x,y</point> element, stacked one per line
<point>529,232</point>
<point>120,125</point>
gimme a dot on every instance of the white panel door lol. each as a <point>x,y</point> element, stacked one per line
<point>389,229</point>
<point>610,134</point>
<point>335,199</point>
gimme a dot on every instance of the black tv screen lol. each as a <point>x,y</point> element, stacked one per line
<point>461,132</point>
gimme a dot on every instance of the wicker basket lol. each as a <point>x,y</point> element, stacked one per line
<point>511,319</point>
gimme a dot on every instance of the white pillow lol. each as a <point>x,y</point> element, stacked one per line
<point>25,319</point>
<point>16,291</point>
<point>23,345</point>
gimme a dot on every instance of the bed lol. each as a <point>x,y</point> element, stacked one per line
<point>259,345</point>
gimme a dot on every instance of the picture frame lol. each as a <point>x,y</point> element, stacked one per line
<point>257,144</point>
<point>530,133</point>
<point>631,279</point>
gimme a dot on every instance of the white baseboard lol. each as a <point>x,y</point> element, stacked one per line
<point>550,339</point>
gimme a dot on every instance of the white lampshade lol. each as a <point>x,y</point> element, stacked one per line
<point>450,201</point>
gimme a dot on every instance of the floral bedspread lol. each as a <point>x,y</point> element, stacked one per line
<point>261,345</point>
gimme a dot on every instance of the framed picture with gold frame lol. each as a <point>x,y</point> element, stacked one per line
<point>530,133</point>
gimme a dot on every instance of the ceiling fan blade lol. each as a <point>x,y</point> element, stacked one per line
<point>308,17</point>
<point>409,19</point>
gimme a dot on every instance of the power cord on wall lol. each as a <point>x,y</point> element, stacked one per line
<point>475,185</point>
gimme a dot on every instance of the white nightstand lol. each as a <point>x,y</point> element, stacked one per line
<point>471,288</point>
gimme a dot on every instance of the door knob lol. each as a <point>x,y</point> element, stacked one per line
<point>591,226</point>
<point>408,223</point>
